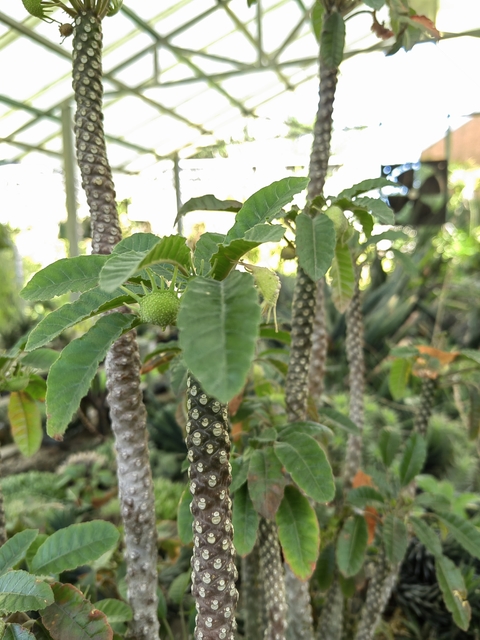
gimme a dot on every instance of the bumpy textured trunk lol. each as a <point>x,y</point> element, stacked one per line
<point>253,605</point>
<point>318,356</point>
<point>301,627</point>
<point>379,590</point>
<point>426,405</point>
<point>213,562</point>
<point>3,522</point>
<point>127,411</point>
<point>273,580</point>
<point>331,621</point>
<point>303,314</point>
<point>354,347</point>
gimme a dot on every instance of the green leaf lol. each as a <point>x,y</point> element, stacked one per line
<point>17,632</point>
<point>365,219</point>
<point>343,278</point>
<point>179,587</point>
<point>205,248</point>
<point>16,548</point>
<point>452,584</point>
<point>395,538</point>
<point>41,359</point>
<point>471,354</point>
<point>25,422</point>
<point>266,482</point>
<point>314,429</point>
<point>270,334</point>
<point>115,610</point>
<point>351,545</point>
<point>375,4</point>
<point>336,420</point>
<point>389,442</point>
<point>75,546</point>
<point>226,258</point>
<point>245,522</point>
<point>364,187</point>
<point>162,605</point>
<point>69,274</point>
<point>239,473</point>
<point>218,323</point>
<point>407,263</point>
<point>33,548</point>
<point>69,314</point>
<point>378,208</point>
<point>427,536</point>
<point>207,202</point>
<point>361,496</point>
<point>298,532</point>
<point>70,377</point>
<point>264,205</point>
<point>325,569</point>
<point>413,458</point>
<point>20,591</point>
<point>317,19</point>
<point>185,518</point>
<point>390,234</point>
<point>306,462</point>
<point>332,42</point>
<point>122,266</point>
<point>464,532</point>
<point>141,242</point>
<point>72,616</point>
<point>315,244</point>
<point>36,387</point>
<point>399,377</point>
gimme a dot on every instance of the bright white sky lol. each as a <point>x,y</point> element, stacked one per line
<point>401,104</point>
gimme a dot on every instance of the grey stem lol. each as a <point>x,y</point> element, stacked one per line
<point>331,620</point>
<point>319,345</point>
<point>253,605</point>
<point>271,570</point>
<point>127,411</point>
<point>3,521</point>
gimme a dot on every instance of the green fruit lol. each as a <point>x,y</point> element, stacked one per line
<point>159,307</point>
<point>339,220</point>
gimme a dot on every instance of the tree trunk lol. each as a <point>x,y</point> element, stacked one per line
<point>127,411</point>
<point>273,580</point>
<point>253,604</point>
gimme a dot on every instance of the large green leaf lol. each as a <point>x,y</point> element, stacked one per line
<point>351,545</point>
<point>362,496</point>
<point>336,420</point>
<point>25,422</point>
<point>378,208</point>
<point>266,482</point>
<point>173,250</point>
<point>399,376</point>
<point>315,244</point>
<point>298,532</point>
<point>207,202</point>
<point>16,548</point>
<point>20,591</point>
<point>306,462</point>
<point>239,472</point>
<point>245,521</point>
<point>179,586</point>
<point>141,242</point>
<point>72,616</point>
<point>74,546</point>
<point>69,274</point>
<point>185,518</point>
<point>17,632</point>
<point>343,277</point>
<point>316,17</point>
<point>326,568</point>
<point>41,359</point>
<point>389,442</point>
<point>264,205</point>
<point>205,248</point>
<point>452,584</point>
<point>115,610</point>
<point>226,258</point>
<point>364,187</point>
<point>427,536</point>
<point>332,41</point>
<point>219,324</point>
<point>375,4</point>
<point>413,458</point>
<point>69,314</point>
<point>70,377</point>
<point>395,538</point>
<point>314,429</point>
<point>471,354</point>
<point>464,532</point>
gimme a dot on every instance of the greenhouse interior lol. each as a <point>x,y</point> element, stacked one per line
<point>239,320</point>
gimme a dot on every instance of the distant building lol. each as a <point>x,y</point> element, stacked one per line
<point>464,145</point>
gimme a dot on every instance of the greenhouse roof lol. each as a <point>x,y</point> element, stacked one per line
<point>189,76</point>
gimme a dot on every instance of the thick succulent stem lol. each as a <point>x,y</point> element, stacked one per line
<point>331,620</point>
<point>298,628</point>
<point>127,411</point>
<point>253,605</point>
<point>213,561</point>
<point>271,570</point>
<point>426,405</point>
<point>354,347</point>
<point>379,590</point>
<point>90,139</point>
<point>3,521</point>
<point>318,356</point>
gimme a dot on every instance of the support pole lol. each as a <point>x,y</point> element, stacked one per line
<point>69,164</point>
<point>178,190</point>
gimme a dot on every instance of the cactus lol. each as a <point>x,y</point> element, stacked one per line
<point>272,576</point>
<point>213,561</point>
<point>331,620</point>
<point>426,404</point>
<point>253,604</point>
